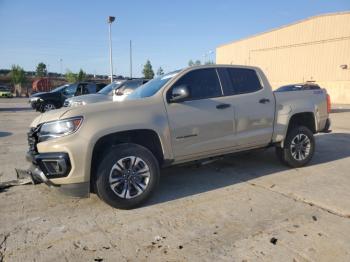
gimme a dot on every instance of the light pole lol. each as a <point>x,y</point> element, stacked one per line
<point>206,55</point>
<point>130,59</point>
<point>110,21</point>
<point>61,65</point>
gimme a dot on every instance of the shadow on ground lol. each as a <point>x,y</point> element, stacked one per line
<point>180,182</point>
<point>3,134</point>
<point>15,109</point>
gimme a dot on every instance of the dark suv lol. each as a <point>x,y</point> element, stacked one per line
<point>46,101</point>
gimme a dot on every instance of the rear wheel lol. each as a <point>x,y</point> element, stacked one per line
<point>127,176</point>
<point>299,147</point>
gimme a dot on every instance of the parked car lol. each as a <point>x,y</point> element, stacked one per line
<point>5,92</point>
<point>298,87</point>
<point>195,114</point>
<point>116,91</point>
<point>46,101</point>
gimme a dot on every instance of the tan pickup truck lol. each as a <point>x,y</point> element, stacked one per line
<point>116,149</point>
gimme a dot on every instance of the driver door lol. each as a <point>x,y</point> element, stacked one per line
<point>204,122</point>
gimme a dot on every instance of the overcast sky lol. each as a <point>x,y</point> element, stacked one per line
<point>169,33</point>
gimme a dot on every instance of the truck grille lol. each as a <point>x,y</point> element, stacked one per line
<point>32,139</point>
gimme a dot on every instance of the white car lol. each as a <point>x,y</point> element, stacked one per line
<point>116,91</point>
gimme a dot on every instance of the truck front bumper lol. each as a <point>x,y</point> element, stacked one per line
<point>47,166</point>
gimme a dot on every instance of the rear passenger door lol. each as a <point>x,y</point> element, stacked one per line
<point>204,123</point>
<point>253,105</point>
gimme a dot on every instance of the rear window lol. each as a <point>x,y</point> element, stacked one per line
<point>242,81</point>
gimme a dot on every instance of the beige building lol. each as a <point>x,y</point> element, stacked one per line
<point>315,49</point>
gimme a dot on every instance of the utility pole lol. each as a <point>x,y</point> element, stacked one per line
<point>130,59</point>
<point>110,21</point>
<point>61,65</point>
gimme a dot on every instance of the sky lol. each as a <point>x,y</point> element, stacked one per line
<point>168,33</point>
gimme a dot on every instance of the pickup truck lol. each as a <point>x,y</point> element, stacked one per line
<point>116,150</point>
<point>46,101</point>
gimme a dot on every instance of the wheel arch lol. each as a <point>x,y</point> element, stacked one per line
<point>145,137</point>
<point>306,119</point>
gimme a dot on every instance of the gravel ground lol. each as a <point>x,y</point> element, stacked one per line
<point>243,208</point>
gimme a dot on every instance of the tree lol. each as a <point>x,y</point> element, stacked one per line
<point>81,76</point>
<point>209,62</point>
<point>71,77</point>
<point>190,63</point>
<point>41,70</point>
<point>148,71</point>
<point>197,63</point>
<point>160,71</point>
<point>18,78</point>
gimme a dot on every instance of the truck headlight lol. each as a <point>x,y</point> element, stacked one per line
<point>59,128</point>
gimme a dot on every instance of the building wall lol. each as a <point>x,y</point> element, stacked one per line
<point>313,49</point>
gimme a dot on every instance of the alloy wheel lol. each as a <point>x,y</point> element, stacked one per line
<point>129,177</point>
<point>300,147</point>
<point>49,107</point>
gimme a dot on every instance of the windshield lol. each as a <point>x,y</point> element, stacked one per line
<point>58,88</point>
<point>152,87</point>
<point>109,88</point>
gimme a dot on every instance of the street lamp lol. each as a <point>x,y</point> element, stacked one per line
<point>110,21</point>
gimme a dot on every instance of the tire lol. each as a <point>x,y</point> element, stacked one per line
<point>48,106</point>
<point>299,147</point>
<point>127,189</point>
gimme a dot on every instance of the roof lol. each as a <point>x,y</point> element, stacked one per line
<point>288,25</point>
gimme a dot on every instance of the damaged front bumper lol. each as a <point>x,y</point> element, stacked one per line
<point>45,167</point>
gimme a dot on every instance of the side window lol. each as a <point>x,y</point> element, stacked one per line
<point>242,81</point>
<point>201,83</point>
<point>90,88</point>
<point>85,90</point>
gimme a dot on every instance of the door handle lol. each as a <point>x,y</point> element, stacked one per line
<point>223,106</point>
<point>264,101</point>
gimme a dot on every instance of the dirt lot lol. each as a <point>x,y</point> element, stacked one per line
<point>242,208</point>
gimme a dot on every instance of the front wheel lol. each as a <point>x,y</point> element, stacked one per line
<point>299,147</point>
<point>127,176</point>
<point>48,106</point>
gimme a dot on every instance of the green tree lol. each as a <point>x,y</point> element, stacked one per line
<point>190,63</point>
<point>160,71</point>
<point>18,78</point>
<point>148,71</point>
<point>41,70</point>
<point>81,76</point>
<point>209,62</point>
<point>197,63</point>
<point>71,77</point>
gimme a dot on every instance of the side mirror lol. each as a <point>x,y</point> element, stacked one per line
<point>179,94</point>
<point>118,92</point>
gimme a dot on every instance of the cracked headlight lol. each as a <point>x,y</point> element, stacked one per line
<point>59,128</point>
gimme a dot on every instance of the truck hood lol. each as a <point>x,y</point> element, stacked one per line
<point>89,99</point>
<point>49,116</point>
<point>96,110</point>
